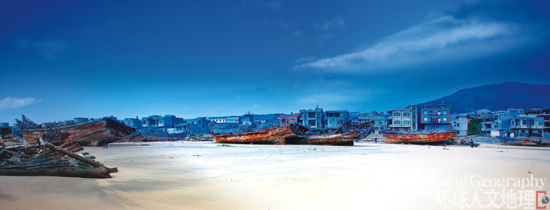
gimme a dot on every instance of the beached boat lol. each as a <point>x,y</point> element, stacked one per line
<point>522,141</point>
<point>294,134</point>
<point>332,139</point>
<point>91,133</point>
<point>50,160</point>
<point>418,138</point>
<point>265,136</point>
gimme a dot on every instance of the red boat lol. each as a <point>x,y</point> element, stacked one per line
<point>265,136</point>
<point>334,139</point>
<point>418,138</point>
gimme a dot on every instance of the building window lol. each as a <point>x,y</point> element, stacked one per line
<point>333,114</point>
<point>396,122</point>
<point>396,114</point>
<point>311,122</point>
<point>406,122</point>
<point>405,114</point>
<point>311,114</point>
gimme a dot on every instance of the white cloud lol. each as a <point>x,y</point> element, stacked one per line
<point>443,37</point>
<point>13,103</point>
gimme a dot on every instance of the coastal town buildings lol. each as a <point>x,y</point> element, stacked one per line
<point>132,122</point>
<point>401,120</point>
<point>336,119</point>
<point>200,125</point>
<point>459,122</point>
<point>515,123</point>
<point>157,121</point>
<point>226,119</point>
<point>312,118</point>
<point>434,117</point>
<point>286,120</point>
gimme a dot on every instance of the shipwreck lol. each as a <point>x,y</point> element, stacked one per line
<point>297,134</point>
<point>89,133</point>
<point>436,137</point>
<point>50,160</point>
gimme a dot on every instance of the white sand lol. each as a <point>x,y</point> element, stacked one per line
<point>208,176</point>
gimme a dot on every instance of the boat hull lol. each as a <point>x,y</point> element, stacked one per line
<point>412,138</point>
<point>339,140</point>
<point>522,141</point>
<point>85,134</point>
<point>266,136</point>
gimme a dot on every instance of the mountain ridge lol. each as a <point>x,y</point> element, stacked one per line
<point>496,97</point>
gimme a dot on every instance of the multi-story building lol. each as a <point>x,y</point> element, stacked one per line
<point>378,118</point>
<point>484,114</point>
<point>286,120</point>
<point>336,119</point>
<point>545,114</point>
<point>460,124</point>
<point>157,121</point>
<point>262,121</point>
<point>312,118</point>
<point>527,125</point>
<point>132,122</point>
<point>401,120</point>
<point>434,117</point>
<point>513,123</point>
<point>226,119</point>
<point>200,125</point>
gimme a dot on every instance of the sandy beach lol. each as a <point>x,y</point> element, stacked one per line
<point>195,175</point>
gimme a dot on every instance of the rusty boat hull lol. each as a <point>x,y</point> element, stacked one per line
<point>265,136</point>
<point>85,134</point>
<point>336,139</point>
<point>418,138</point>
<point>293,134</point>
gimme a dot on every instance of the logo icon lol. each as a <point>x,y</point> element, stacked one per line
<point>542,200</point>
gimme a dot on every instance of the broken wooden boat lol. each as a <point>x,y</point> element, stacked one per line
<point>294,134</point>
<point>90,133</point>
<point>522,141</point>
<point>331,139</point>
<point>264,136</point>
<point>51,160</point>
<point>436,137</point>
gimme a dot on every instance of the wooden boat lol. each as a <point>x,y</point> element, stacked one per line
<point>91,133</point>
<point>51,160</point>
<point>418,138</point>
<point>292,134</point>
<point>333,139</point>
<point>265,136</point>
<point>522,141</point>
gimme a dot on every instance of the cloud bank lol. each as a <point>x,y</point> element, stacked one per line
<point>441,38</point>
<point>13,103</point>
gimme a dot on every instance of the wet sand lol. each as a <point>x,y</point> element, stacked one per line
<point>193,175</point>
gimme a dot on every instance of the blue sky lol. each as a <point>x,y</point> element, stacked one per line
<point>65,59</point>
